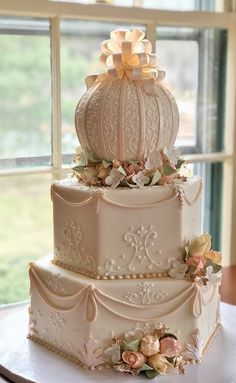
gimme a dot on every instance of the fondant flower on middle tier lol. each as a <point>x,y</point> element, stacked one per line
<point>140,179</point>
<point>196,260</point>
<point>114,178</point>
<point>178,270</point>
<point>200,245</point>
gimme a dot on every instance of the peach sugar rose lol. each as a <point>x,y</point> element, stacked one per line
<point>134,359</point>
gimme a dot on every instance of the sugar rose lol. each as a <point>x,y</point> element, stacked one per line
<point>134,359</point>
<point>169,346</point>
<point>196,260</point>
<point>159,363</point>
<point>214,256</point>
<point>200,245</point>
<point>150,345</point>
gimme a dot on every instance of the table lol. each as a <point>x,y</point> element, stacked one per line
<point>228,287</point>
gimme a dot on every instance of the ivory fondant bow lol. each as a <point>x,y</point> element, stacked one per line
<point>127,52</point>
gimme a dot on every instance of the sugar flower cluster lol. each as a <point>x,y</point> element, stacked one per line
<point>157,168</point>
<point>200,263</point>
<point>154,354</point>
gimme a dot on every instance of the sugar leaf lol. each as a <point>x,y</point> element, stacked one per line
<point>156,177</point>
<point>121,170</point>
<point>132,346</point>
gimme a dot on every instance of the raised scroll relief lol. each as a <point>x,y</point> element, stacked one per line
<point>146,294</point>
<point>90,354</point>
<point>194,347</point>
<point>140,240</point>
<point>70,251</point>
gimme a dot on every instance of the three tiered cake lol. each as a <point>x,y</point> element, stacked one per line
<point>133,283</point>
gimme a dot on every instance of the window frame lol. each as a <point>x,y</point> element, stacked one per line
<point>55,11</point>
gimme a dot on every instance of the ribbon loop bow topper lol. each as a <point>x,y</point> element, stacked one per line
<point>127,52</point>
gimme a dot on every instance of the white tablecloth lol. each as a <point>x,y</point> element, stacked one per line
<point>23,361</point>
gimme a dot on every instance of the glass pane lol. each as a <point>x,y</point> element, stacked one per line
<point>178,5</point>
<point>80,51</point>
<point>194,60</point>
<point>181,5</point>
<point>26,231</point>
<point>212,178</point>
<point>122,3</point>
<point>25,92</point>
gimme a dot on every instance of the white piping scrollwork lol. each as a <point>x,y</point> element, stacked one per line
<point>70,251</point>
<point>56,283</point>
<point>145,295</point>
<point>140,240</point>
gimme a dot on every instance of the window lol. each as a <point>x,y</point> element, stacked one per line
<point>45,56</point>
<point>197,79</point>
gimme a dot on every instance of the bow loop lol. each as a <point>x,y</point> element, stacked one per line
<point>128,53</point>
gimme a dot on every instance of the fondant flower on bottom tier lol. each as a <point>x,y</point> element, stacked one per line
<point>152,354</point>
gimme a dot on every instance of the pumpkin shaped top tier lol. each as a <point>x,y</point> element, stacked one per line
<point>125,112</point>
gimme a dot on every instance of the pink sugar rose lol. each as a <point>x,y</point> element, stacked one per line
<point>129,168</point>
<point>196,260</point>
<point>134,359</point>
<point>169,346</point>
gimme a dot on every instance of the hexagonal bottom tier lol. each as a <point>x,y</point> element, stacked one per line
<point>78,317</point>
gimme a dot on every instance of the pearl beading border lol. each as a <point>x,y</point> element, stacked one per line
<point>64,354</point>
<point>93,275</point>
<point>77,361</point>
<point>209,341</point>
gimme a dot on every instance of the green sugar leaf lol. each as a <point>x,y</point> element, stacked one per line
<point>106,164</point>
<point>132,346</point>
<point>151,374</point>
<point>121,170</point>
<point>145,367</point>
<point>168,169</point>
<point>156,177</point>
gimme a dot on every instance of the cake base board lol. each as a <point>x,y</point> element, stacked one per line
<point>21,360</point>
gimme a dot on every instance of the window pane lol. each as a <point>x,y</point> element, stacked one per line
<point>181,5</point>
<point>122,3</point>
<point>194,60</point>
<point>212,178</point>
<point>178,5</point>
<point>80,51</point>
<point>26,231</point>
<point>25,92</point>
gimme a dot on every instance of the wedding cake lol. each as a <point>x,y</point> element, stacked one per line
<point>133,283</point>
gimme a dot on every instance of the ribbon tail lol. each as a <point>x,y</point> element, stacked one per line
<point>90,80</point>
<point>161,75</point>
